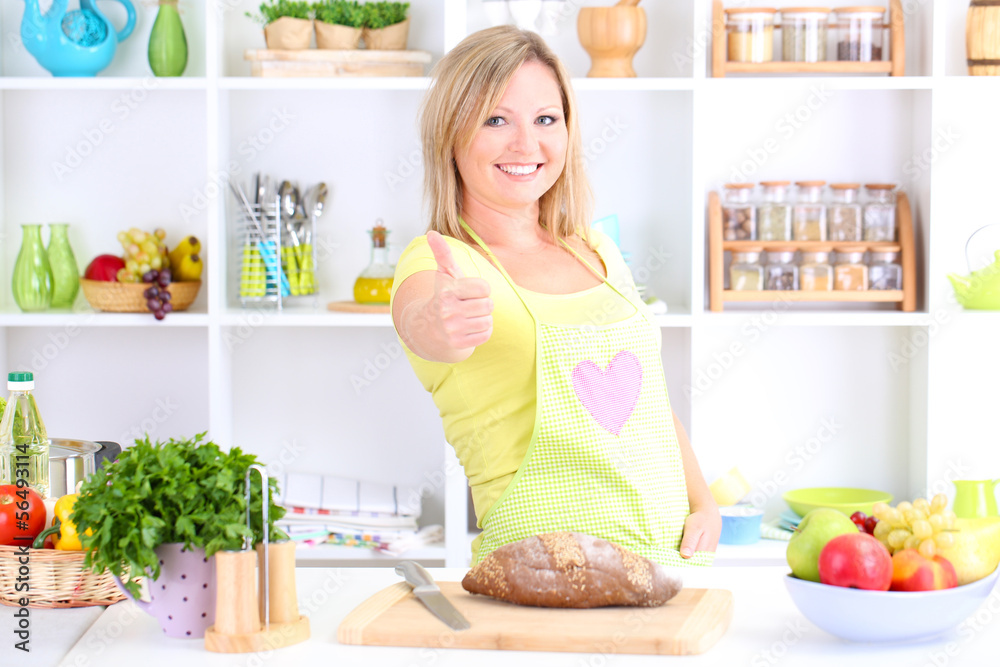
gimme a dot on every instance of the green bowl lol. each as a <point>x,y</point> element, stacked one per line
<point>848,501</point>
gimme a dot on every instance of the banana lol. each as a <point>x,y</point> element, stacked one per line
<point>976,549</point>
<point>189,245</point>
<point>188,268</point>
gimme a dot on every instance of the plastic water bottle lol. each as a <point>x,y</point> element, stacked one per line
<point>24,443</point>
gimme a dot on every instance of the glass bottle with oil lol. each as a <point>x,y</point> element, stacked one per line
<point>24,443</point>
<point>374,284</point>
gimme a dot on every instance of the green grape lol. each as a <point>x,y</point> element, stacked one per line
<point>922,529</point>
<point>939,503</point>
<point>927,548</point>
<point>897,537</point>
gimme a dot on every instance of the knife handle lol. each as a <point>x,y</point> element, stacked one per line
<point>416,575</point>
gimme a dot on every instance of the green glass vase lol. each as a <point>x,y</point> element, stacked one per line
<point>32,281</point>
<point>65,272</point>
<point>168,50</point>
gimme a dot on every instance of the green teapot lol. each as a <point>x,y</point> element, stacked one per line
<point>980,290</point>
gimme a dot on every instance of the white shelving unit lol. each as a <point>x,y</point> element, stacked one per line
<point>793,396</point>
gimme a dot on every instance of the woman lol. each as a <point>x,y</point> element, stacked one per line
<point>526,326</point>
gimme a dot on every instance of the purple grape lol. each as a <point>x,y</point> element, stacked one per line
<point>164,295</point>
<point>154,304</point>
<point>148,293</point>
<point>159,314</point>
<point>167,307</point>
<point>164,278</point>
<point>150,276</point>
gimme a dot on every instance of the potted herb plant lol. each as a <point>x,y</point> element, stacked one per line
<point>339,24</point>
<point>386,25</point>
<point>163,510</point>
<point>287,23</point>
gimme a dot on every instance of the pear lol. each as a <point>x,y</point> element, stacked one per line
<point>976,550</point>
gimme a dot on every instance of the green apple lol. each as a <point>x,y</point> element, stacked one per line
<point>815,530</point>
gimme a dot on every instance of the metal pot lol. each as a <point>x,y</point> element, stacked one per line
<point>72,461</point>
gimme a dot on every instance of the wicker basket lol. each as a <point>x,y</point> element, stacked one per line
<point>115,297</point>
<point>58,580</point>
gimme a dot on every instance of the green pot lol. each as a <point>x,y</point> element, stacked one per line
<point>168,51</point>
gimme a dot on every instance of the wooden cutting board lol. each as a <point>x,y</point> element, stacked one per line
<point>355,307</point>
<point>690,623</point>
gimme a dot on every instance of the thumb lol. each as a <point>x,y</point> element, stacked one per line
<point>442,254</point>
<point>689,541</point>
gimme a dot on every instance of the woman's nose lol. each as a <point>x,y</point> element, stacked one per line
<point>524,139</point>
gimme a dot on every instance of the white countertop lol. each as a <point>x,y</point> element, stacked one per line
<point>766,629</point>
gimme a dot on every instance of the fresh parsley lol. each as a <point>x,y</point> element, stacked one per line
<point>175,491</point>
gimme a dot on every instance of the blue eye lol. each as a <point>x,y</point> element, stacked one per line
<point>495,121</point>
<point>546,120</point>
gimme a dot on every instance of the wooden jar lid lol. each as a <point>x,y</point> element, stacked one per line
<point>888,248</point>
<point>810,184</point>
<point>805,10</point>
<point>737,186</point>
<point>768,184</point>
<point>862,9</point>
<point>751,10</point>
<point>751,248</point>
<point>850,248</point>
<point>782,248</point>
<point>880,186</point>
<point>844,186</point>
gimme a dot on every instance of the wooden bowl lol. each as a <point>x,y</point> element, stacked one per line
<point>115,297</point>
<point>611,36</point>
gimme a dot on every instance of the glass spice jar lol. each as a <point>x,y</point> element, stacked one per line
<point>803,34</point>
<point>859,33</point>
<point>850,271</point>
<point>844,213</point>
<point>815,272</point>
<point>750,34</point>
<point>809,213</point>
<point>745,271</point>
<point>774,215</point>
<point>780,272</point>
<point>884,269</point>
<point>739,218</point>
<point>880,212</point>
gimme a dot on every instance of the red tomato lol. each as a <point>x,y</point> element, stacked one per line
<point>22,515</point>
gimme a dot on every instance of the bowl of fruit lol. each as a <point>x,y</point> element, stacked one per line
<point>846,500</point>
<point>148,278</point>
<point>906,573</point>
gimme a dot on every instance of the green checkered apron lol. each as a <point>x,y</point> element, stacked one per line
<point>603,458</point>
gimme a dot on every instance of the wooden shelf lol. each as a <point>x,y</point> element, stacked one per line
<point>717,247</point>
<point>880,296</point>
<point>895,66</point>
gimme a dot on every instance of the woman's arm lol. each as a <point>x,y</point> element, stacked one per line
<point>442,315</point>
<point>703,525</point>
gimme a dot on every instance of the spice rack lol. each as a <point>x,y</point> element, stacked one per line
<point>717,296</point>
<point>895,66</point>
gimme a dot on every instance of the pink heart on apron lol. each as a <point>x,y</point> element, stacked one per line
<point>609,395</point>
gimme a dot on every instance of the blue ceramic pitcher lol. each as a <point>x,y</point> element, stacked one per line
<point>81,42</point>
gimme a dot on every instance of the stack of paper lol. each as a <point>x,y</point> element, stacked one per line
<point>336,510</point>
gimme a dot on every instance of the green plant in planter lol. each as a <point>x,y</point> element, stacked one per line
<point>185,491</point>
<point>349,13</point>
<point>383,14</point>
<point>276,9</point>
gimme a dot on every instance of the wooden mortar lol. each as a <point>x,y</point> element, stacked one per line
<point>612,36</point>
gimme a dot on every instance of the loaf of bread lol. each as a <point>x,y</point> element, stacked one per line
<point>571,570</point>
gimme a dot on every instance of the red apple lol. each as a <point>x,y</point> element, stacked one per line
<point>104,267</point>
<point>912,572</point>
<point>856,560</point>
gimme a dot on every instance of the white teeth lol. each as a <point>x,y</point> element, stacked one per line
<point>518,170</point>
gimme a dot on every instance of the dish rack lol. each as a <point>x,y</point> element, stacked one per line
<point>274,264</point>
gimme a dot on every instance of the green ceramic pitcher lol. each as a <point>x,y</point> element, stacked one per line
<point>975,498</point>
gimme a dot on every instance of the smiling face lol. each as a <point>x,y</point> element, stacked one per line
<point>520,151</point>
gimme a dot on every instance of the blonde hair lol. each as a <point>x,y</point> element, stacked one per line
<point>467,84</point>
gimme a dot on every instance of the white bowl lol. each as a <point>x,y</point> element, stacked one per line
<point>884,616</point>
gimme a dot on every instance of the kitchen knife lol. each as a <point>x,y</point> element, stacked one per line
<point>428,592</point>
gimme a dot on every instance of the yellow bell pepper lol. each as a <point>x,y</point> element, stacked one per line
<point>65,537</point>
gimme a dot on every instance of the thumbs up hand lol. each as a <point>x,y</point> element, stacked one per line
<point>459,312</point>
